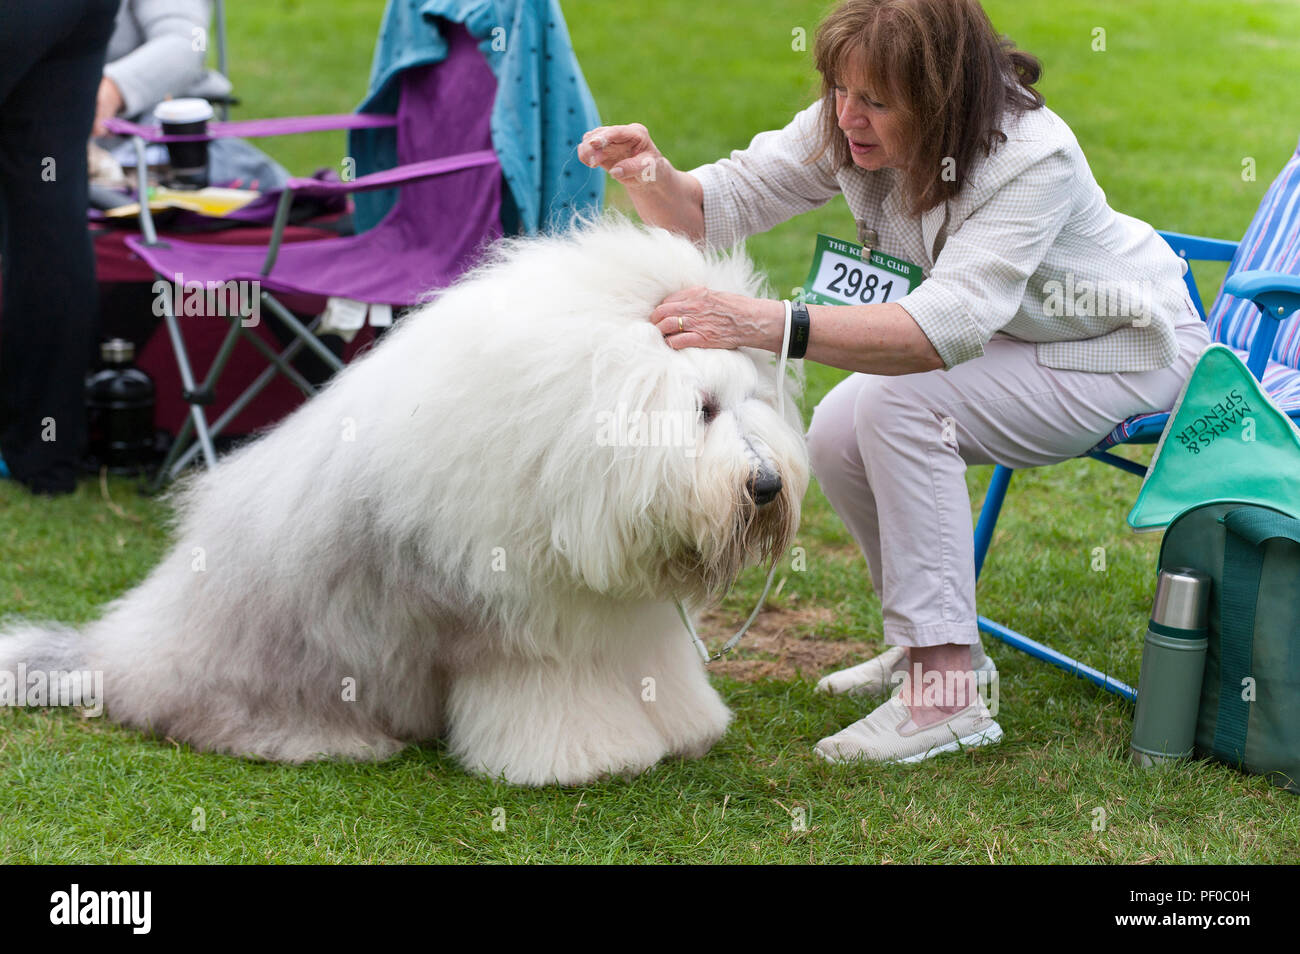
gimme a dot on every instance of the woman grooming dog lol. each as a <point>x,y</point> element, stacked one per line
<point>929,125</point>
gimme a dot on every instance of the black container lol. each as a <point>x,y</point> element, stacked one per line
<point>119,411</point>
<point>189,160</point>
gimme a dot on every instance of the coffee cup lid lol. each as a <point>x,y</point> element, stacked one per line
<point>189,110</point>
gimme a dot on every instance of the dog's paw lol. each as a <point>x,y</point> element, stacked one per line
<point>320,747</point>
<point>702,744</point>
<point>692,723</point>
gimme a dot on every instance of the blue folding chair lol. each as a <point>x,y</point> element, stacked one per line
<point>1257,314</point>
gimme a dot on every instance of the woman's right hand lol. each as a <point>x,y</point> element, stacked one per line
<point>661,195</point>
<point>626,152</point>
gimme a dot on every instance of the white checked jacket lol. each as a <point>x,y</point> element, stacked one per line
<point>1016,251</point>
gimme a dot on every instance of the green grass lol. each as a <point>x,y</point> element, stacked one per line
<point>1166,115</point>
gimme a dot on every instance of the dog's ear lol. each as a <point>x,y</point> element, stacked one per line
<point>629,470</point>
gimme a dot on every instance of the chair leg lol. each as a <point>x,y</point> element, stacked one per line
<point>180,456</point>
<point>279,362</point>
<point>172,465</point>
<point>279,365</point>
<point>1061,661</point>
<point>197,418</point>
<point>308,338</point>
<point>989,511</point>
<point>992,506</point>
<point>1123,463</point>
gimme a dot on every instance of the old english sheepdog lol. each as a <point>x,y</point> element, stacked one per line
<point>477,532</point>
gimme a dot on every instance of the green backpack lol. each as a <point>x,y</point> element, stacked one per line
<point>1250,696</point>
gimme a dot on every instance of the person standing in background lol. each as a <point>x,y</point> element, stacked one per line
<point>51,64</point>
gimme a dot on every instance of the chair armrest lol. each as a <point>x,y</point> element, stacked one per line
<point>412,172</point>
<point>1197,248</point>
<point>255,128</point>
<point>1276,294</point>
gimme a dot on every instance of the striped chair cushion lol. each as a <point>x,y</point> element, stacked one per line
<point>1272,243</point>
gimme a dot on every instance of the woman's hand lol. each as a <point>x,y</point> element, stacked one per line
<point>626,152</point>
<point>662,195</point>
<point>702,318</point>
<point>108,103</point>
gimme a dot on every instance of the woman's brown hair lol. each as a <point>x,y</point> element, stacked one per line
<point>944,70</point>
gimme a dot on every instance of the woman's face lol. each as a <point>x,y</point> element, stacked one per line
<point>871,126</point>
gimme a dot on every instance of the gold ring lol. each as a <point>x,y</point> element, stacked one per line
<point>681,323</point>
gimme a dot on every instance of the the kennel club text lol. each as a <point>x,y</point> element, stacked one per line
<point>74,907</point>
<point>846,278</point>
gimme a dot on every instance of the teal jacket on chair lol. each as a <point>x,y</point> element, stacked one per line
<point>542,108</point>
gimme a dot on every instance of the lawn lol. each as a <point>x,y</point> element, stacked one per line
<point>1183,94</point>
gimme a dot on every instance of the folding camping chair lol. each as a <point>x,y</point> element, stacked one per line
<point>470,113</point>
<point>448,207</point>
<point>1257,314</point>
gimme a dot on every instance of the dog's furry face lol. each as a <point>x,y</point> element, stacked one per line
<point>674,462</point>
<point>749,472</point>
<point>692,449</point>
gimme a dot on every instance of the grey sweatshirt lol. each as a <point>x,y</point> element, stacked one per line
<point>157,51</point>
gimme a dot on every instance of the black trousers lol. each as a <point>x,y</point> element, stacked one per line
<point>51,62</point>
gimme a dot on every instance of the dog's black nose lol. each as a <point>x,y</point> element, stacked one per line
<point>764,487</point>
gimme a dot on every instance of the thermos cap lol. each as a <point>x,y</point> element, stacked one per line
<point>117,351</point>
<point>1182,598</point>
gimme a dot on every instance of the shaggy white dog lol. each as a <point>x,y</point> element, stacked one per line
<point>476,532</point>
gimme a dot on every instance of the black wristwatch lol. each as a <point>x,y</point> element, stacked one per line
<point>800,325</point>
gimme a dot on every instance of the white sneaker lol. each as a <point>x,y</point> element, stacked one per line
<point>888,735</point>
<point>876,676</point>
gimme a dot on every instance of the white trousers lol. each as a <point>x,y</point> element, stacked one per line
<point>891,452</point>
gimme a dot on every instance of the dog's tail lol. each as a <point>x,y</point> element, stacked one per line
<point>46,648</point>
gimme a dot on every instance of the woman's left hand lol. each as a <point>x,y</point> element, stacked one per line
<point>702,318</point>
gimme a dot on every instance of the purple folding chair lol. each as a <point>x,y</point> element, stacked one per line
<point>447,211</point>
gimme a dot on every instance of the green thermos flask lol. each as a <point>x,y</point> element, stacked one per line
<point>1173,664</point>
